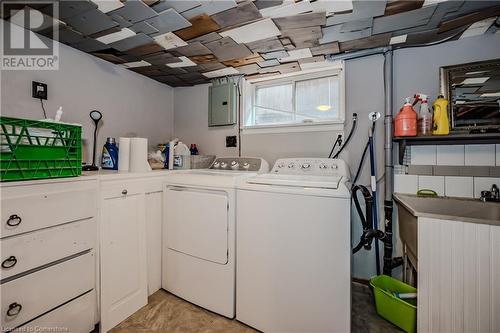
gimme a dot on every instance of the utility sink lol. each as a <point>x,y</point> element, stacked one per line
<point>411,207</point>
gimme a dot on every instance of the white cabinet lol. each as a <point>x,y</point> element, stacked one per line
<point>458,276</point>
<point>123,251</point>
<point>154,201</point>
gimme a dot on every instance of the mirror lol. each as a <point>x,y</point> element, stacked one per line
<point>473,91</point>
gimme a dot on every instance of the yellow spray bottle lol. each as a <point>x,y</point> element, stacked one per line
<point>441,125</point>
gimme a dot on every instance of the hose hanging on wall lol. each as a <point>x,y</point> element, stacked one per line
<point>339,137</point>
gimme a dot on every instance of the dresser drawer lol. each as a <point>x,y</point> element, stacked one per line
<point>76,316</point>
<point>28,208</point>
<point>116,189</point>
<point>34,249</point>
<point>32,295</point>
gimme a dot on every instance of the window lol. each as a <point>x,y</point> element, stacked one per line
<point>304,99</point>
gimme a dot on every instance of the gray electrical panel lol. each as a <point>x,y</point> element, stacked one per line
<point>222,104</point>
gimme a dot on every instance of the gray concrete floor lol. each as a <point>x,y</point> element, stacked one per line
<point>167,313</point>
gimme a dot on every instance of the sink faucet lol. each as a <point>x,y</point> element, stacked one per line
<point>491,195</point>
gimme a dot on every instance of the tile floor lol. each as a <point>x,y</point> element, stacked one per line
<point>168,313</point>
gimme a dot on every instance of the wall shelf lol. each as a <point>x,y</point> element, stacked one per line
<point>451,139</point>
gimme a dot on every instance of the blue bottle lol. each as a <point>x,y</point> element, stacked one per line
<point>110,155</point>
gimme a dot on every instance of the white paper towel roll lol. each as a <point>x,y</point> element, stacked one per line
<point>139,155</point>
<point>124,154</point>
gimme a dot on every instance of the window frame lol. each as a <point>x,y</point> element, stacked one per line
<point>249,96</point>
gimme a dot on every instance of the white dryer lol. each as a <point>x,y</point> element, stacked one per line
<point>199,232</point>
<point>294,248</point>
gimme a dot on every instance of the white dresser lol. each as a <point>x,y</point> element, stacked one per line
<point>48,241</point>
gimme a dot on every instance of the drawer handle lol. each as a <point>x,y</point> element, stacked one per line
<point>14,220</point>
<point>14,309</point>
<point>124,192</point>
<point>9,262</point>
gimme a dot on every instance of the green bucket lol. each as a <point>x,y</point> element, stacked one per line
<point>402,313</point>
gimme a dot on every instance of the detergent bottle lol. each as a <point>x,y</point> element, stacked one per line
<point>109,158</point>
<point>441,124</point>
<point>405,123</point>
<point>424,121</point>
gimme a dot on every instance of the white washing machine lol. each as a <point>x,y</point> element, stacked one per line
<point>294,248</point>
<point>199,232</point>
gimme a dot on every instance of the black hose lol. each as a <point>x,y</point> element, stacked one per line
<point>338,140</point>
<point>366,220</point>
<point>354,122</point>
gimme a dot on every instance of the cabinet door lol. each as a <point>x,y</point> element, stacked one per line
<point>123,255</point>
<point>153,237</point>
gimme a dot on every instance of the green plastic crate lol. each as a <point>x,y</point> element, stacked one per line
<point>31,149</point>
<point>402,313</point>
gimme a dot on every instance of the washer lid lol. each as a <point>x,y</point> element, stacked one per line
<point>327,182</point>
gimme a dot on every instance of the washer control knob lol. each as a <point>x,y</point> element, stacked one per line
<point>323,166</point>
<point>291,165</point>
<point>216,165</point>
<point>281,165</point>
<point>246,165</point>
<point>223,165</point>
<point>335,166</point>
<point>305,166</point>
<point>235,165</point>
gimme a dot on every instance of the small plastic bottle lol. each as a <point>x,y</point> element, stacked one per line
<point>424,121</point>
<point>194,149</point>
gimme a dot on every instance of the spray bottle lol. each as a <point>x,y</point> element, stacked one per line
<point>424,121</point>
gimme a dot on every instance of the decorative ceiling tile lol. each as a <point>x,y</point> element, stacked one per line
<point>89,45</point>
<point>141,63</point>
<point>295,55</point>
<point>178,6</point>
<point>169,41</point>
<point>135,11</point>
<point>167,21</point>
<point>401,6</point>
<point>261,4</point>
<point>244,12</point>
<point>254,58</point>
<point>433,36</point>
<point>221,72</point>
<point>333,34</point>
<point>283,69</point>
<point>265,45</point>
<point>329,48</point>
<point>109,57</point>
<point>116,36</point>
<point>269,63</point>
<point>161,58</point>
<point>398,39</point>
<point>227,49</point>
<point>210,7</point>
<point>123,23</point>
<point>366,43</point>
<point>105,32</point>
<point>404,20</point>
<point>314,63</point>
<point>211,66</point>
<point>304,37</point>
<point>192,49</point>
<point>203,59</point>
<point>249,69</point>
<point>145,50</point>
<point>301,21</point>
<point>150,2</point>
<point>274,55</point>
<point>69,9</point>
<point>332,6</point>
<point>131,42</point>
<point>207,38</point>
<point>69,36</point>
<point>185,62</point>
<point>468,19</point>
<point>357,25</point>
<point>91,22</point>
<point>106,6</point>
<point>288,8</point>
<point>200,25</point>
<point>144,27</point>
<point>252,32</point>
<point>361,9</point>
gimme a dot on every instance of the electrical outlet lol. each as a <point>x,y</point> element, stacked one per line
<point>231,141</point>
<point>39,90</point>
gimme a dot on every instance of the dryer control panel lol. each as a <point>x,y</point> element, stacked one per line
<point>311,166</point>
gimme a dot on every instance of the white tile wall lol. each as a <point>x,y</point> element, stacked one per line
<point>480,155</point>
<point>435,183</point>
<point>484,184</point>
<point>423,155</point>
<point>498,155</point>
<point>450,155</point>
<point>472,155</point>
<point>458,186</point>
<point>406,184</point>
